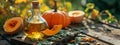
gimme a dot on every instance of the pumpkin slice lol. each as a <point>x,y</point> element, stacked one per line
<point>76,16</point>
<point>13,25</point>
<point>53,31</point>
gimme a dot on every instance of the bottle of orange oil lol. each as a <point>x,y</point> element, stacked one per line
<point>35,23</point>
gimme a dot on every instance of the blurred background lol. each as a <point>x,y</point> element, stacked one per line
<point>109,8</point>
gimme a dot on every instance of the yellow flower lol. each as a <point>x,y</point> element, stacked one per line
<point>68,5</point>
<point>44,8</point>
<point>63,9</point>
<point>95,13</point>
<point>90,5</point>
<point>23,13</point>
<point>36,35</point>
<point>41,1</point>
<point>51,2</point>
<point>20,1</point>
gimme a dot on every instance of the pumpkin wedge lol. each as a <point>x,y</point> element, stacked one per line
<point>53,31</point>
<point>13,25</point>
<point>76,16</point>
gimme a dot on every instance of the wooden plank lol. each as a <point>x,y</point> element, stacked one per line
<point>101,36</point>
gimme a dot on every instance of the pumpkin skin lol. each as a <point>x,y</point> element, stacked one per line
<point>53,31</point>
<point>76,16</point>
<point>56,18</point>
<point>13,25</point>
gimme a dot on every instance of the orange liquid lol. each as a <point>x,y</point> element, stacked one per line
<point>35,27</point>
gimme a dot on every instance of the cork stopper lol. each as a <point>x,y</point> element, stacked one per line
<point>35,4</point>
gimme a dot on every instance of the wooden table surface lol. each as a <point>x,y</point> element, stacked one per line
<point>100,31</point>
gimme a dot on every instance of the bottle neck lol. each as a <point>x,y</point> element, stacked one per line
<point>36,11</point>
<point>36,15</point>
<point>35,8</point>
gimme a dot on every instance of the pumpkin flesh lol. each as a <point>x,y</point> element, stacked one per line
<point>53,31</point>
<point>13,25</point>
<point>76,16</point>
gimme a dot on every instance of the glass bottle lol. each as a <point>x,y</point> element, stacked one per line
<point>35,23</point>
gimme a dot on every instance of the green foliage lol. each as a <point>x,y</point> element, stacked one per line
<point>112,5</point>
<point>3,19</point>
